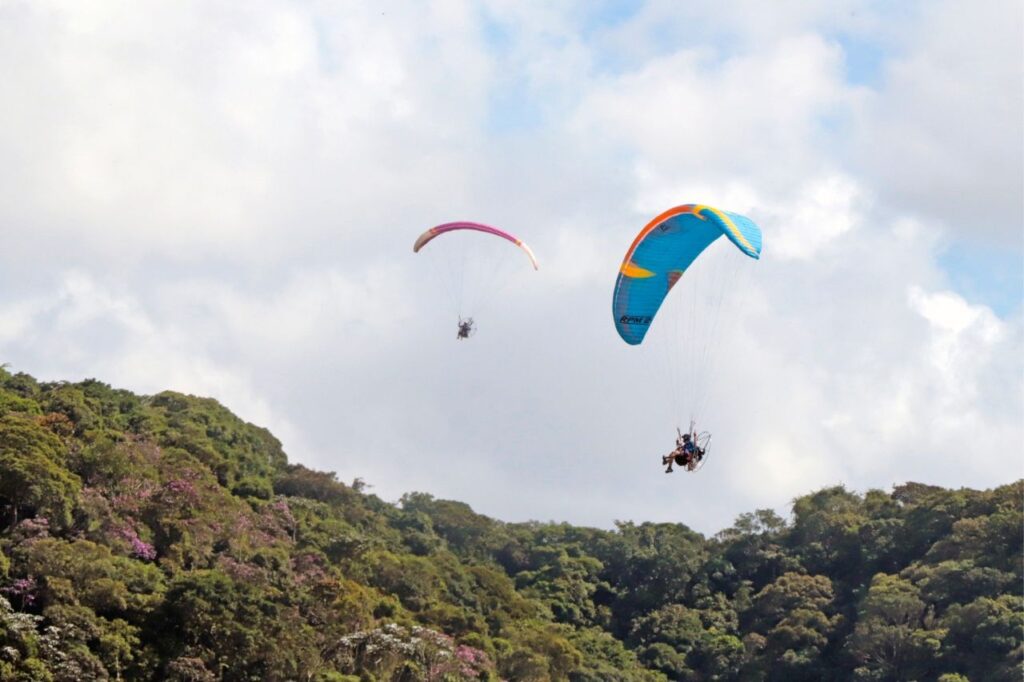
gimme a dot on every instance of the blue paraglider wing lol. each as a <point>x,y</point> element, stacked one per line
<point>662,252</point>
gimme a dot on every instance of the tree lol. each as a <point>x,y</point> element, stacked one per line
<point>33,478</point>
<point>985,638</point>
<point>794,617</point>
<point>86,573</point>
<point>754,546</point>
<point>649,566</point>
<point>238,630</point>
<point>893,638</point>
<point>826,532</point>
<point>566,581</point>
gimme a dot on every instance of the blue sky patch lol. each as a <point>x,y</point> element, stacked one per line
<point>864,60</point>
<point>985,274</point>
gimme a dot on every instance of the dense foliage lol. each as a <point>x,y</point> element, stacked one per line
<point>163,538</point>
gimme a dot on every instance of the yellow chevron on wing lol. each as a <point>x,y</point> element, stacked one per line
<point>635,271</point>
<point>727,221</point>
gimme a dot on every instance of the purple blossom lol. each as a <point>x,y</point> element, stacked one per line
<point>471,655</point>
<point>180,487</point>
<point>285,516</point>
<point>308,568</point>
<point>143,550</point>
<point>24,589</point>
<point>23,585</point>
<point>245,529</point>
<point>131,494</point>
<point>140,549</point>
<point>239,571</point>
<point>30,529</point>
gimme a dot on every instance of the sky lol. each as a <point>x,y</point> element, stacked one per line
<point>221,199</point>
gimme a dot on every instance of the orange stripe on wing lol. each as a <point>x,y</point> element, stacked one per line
<point>670,213</point>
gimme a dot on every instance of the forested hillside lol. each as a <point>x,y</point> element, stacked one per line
<point>161,537</point>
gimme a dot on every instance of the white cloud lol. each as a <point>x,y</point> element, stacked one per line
<point>942,137</point>
<point>187,132</point>
<point>223,203</point>
<point>963,338</point>
<point>689,117</point>
<point>820,213</point>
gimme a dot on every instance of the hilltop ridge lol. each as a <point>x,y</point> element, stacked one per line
<point>162,537</point>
